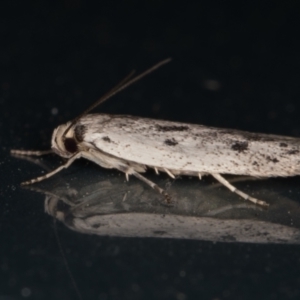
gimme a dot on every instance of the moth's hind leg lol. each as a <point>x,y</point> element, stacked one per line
<point>245,196</point>
<point>30,153</point>
<point>167,197</point>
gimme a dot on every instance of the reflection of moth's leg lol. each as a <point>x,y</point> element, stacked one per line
<point>154,186</point>
<point>245,196</point>
<point>125,196</point>
<point>221,210</point>
<point>32,159</point>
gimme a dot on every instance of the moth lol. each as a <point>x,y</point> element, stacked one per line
<point>132,145</point>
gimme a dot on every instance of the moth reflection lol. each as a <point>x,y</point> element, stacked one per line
<point>112,207</point>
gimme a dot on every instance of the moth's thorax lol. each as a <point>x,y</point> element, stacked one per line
<point>64,144</point>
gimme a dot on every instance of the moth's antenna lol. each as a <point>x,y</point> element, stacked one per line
<point>102,99</point>
<point>118,88</point>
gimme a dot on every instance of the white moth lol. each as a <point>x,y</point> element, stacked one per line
<point>132,144</point>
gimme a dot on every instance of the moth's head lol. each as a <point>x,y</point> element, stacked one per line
<point>63,143</point>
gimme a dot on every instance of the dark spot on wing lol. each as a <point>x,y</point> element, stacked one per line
<point>239,146</point>
<point>171,142</point>
<point>228,237</point>
<point>271,159</point>
<point>212,135</point>
<point>171,128</point>
<point>257,137</point>
<point>255,163</point>
<point>70,145</point>
<point>291,152</point>
<point>97,225</point>
<point>159,232</point>
<point>283,145</point>
<point>79,132</point>
<point>106,139</point>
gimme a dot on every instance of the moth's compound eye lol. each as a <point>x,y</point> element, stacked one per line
<point>70,145</point>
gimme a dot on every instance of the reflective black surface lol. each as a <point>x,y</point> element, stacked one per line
<point>234,65</point>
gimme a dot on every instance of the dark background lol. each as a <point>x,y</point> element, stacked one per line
<point>234,65</point>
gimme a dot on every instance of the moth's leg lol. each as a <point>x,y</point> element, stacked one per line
<point>30,153</point>
<point>169,173</point>
<point>46,176</point>
<point>222,180</point>
<point>154,186</point>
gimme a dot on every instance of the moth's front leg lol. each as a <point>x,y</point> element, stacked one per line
<point>48,175</point>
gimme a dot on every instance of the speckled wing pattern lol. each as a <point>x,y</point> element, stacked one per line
<point>189,148</point>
